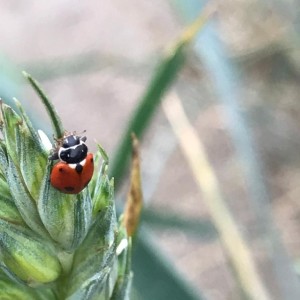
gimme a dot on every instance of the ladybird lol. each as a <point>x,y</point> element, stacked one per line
<point>76,166</point>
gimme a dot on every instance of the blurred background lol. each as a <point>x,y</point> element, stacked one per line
<point>220,157</point>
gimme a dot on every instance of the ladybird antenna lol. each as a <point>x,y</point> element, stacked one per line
<point>55,139</point>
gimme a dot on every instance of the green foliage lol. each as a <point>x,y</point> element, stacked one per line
<point>53,245</point>
<point>161,81</point>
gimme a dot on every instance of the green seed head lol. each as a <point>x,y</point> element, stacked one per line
<point>55,245</point>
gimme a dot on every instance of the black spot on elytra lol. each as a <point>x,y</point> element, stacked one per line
<point>79,168</point>
<point>69,188</point>
<point>60,169</point>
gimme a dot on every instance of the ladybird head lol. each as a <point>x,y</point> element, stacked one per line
<point>72,149</point>
<point>72,140</point>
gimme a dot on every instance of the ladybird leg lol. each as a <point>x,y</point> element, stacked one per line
<point>54,156</point>
<point>83,138</point>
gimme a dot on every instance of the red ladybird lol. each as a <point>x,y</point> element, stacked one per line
<point>75,169</point>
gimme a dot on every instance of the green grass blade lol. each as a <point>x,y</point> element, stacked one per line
<point>154,277</point>
<point>159,84</point>
<point>148,264</point>
<point>206,179</point>
<point>212,52</point>
<point>55,119</point>
<point>161,81</point>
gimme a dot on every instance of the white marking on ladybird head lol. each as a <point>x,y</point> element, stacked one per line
<point>73,166</point>
<point>74,147</point>
<point>59,152</point>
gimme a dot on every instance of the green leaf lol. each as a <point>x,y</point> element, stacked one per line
<point>66,217</point>
<point>9,211</point>
<point>11,122</point>
<point>104,193</point>
<point>56,122</point>
<point>103,154</point>
<point>100,181</point>
<point>98,287</point>
<point>26,255</point>
<point>3,159</point>
<point>4,188</point>
<point>123,288</point>
<point>11,290</point>
<point>32,170</point>
<point>18,150</point>
<point>124,253</point>
<point>44,294</point>
<point>22,198</point>
<point>161,81</point>
<point>149,265</point>
<point>123,285</point>
<point>95,259</point>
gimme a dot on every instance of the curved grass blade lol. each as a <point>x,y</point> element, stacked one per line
<point>224,221</point>
<point>55,119</point>
<point>161,81</point>
<point>145,256</point>
<point>212,52</point>
<point>149,265</point>
<point>163,78</point>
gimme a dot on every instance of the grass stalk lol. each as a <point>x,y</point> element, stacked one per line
<point>233,241</point>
